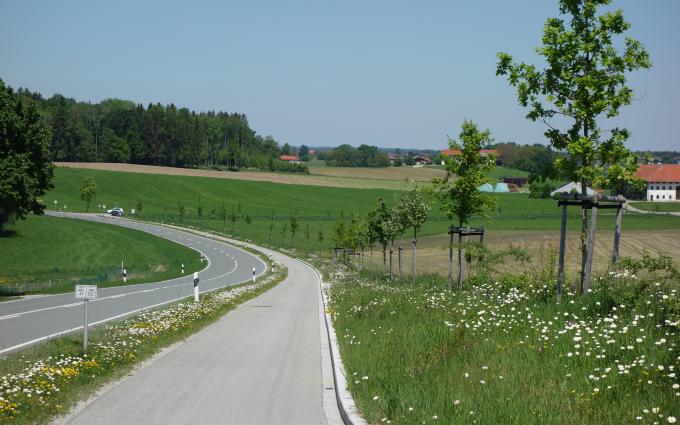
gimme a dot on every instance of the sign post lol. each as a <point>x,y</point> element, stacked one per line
<point>195,286</point>
<point>85,293</point>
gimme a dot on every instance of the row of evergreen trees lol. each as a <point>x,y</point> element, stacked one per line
<point>117,130</point>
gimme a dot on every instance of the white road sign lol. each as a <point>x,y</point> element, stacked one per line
<point>86,292</point>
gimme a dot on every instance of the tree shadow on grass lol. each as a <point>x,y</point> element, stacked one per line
<point>8,233</point>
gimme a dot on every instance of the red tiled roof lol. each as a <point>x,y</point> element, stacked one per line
<point>659,173</point>
<point>289,158</point>
<point>450,152</point>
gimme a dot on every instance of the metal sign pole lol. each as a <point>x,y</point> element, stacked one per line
<point>85,301</point>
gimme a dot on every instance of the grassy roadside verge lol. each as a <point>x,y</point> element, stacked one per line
<point>46,380</point>
<point>505,352</point>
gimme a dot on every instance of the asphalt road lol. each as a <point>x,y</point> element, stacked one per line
<point>260,364</point>
<point>27,321</point>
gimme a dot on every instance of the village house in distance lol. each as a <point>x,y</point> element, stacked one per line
<point>663,181</point>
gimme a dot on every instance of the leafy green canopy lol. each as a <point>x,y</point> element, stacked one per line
<point>465,172</point>
<point>88,191</point>
<point>25,165</point>
<point>584,81</point>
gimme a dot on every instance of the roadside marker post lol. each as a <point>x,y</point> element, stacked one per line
<point>253,274</point>
<point>182,269</point>
<point>124,275</point>
<point>195,286</point>
<point>85,293</point>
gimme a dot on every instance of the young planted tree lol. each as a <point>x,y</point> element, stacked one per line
<point>413,211</point>
<point>88,191</point>
<point>583,84</point>
<point>271,228</point>
<point>457,192</point>
<point>293,228</point>
<point>375,221</point>
<point>340,231</point>
<point>319,238</point>
<point>308,235</point>
<point>233,217</point>
<point>391,228</point>
<point>223,215</point>
<point>182,211</point>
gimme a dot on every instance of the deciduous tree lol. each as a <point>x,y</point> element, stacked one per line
<point>88,191</point>
<point>583,84</point>
<point>458,192</point>
<point>25,160</point>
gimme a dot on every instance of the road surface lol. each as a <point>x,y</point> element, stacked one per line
<point>27,321</point>
<point>258,365</point>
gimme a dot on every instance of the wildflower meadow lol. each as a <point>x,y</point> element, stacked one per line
<point>503,351</point>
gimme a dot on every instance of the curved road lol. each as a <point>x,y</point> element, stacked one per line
<point>27,321</point>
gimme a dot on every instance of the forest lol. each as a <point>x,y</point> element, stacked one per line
<point>116,130</point>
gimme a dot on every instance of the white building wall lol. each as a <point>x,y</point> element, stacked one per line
<point>662,192</point>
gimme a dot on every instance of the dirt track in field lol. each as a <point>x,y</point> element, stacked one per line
<point>299,179</point>
<point>433,251</point>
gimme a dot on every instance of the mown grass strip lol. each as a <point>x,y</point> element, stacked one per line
<point>46,380</point>
<point>505,352</point>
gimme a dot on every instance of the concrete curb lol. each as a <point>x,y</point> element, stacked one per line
<point>348,410</point>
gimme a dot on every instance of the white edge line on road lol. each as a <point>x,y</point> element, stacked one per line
<point>108,319</point>
<point>60,333</point>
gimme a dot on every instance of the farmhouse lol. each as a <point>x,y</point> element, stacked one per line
<point>663,181</point>
<point>290,158</point>
<point>421,160</point>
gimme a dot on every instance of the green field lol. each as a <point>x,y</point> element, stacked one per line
<point>657,206</point>
<point>50,254</point>
<point>317,207</point>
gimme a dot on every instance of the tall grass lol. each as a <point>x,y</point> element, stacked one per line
<point>504,352</point>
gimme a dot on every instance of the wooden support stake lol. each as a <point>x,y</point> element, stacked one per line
<point>560,266</point>
<point>617,235</point>
<point>591,248</point>
<point>450,255</point>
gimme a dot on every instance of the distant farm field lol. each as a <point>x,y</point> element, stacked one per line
<point>355,182</point>
<point>162,197</point>
<point>51,254</point>
<point>433,251</point>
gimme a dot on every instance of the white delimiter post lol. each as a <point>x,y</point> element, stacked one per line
<point>253,274</point>
<point>124,275</point>
<point>182,269</point>
<point>195,286</point>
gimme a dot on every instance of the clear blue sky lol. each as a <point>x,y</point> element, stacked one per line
<point>390,73</point>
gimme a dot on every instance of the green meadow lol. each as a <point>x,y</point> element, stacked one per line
<point>317,208</point>
<point>51,254</point>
